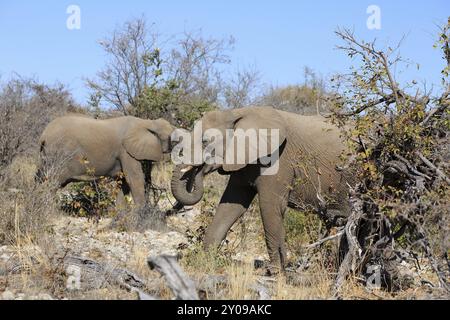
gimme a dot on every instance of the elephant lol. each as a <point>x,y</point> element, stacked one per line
<point>122,147</point>
<point>308,177</point>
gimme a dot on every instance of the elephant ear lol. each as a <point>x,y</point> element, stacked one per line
<point>142,144</point>
<point>269,128</point>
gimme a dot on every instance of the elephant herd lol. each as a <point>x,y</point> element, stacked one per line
<point>304,176</point>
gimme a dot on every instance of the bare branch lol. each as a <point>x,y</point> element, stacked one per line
<point>433,167</point>
<point>322,241</point>
<point>178,282</point>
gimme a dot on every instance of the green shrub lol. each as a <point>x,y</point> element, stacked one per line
<point>301,228</point>
<point>90,199</point>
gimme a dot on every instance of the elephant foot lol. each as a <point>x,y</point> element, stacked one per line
<point>273,271</point>
<point>268,269</point>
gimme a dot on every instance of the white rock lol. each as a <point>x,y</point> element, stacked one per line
<point>8,295</point>
<point>44,296</point>
<point>20,296</point>
<point>5,257</point>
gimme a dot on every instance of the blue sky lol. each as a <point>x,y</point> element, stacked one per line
<point>278,37</point>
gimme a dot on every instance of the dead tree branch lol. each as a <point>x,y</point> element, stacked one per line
<point>353,255</point>
<point>180,284</point>
<point>97,274</point>
<point>318,243</point>
<point>433,167</point>
<point>400,192</point>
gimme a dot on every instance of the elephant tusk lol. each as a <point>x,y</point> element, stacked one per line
<point>186,169</point>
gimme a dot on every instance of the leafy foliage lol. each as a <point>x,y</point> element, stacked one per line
<point>90,199</point>
<point>398,150</point>
<point>178,84</point>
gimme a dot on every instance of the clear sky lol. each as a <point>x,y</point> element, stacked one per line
<point>277,37</point>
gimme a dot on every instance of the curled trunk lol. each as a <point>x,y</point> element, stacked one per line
<point>187,186</point>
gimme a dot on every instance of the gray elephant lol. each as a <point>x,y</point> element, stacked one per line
<point>307,177</point>
<point>87,148</point>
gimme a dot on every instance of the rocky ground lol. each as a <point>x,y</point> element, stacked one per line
<point>130,250</point>
<point>30,271</point>
<point>98,241</point>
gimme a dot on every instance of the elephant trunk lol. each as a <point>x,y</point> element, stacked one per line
<point>187,185</point>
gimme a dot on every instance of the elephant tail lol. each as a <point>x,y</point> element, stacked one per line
<point>40,175</point>
<point>42,147</point>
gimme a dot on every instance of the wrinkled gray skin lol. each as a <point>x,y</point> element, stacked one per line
<point>309,151</point>
<point>87,148</point>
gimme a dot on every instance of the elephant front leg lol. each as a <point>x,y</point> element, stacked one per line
<point>234,202</point>
<point>147,170</point>
<point>134,177</point>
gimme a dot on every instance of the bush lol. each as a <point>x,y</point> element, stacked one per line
<point>169,102</point>
<point>399,146</point>
<point>301,99</point>
<point>91,199</point>
<point>25,213</point>
<point>140,219</point>
<point>308,98</point>
<point>301,228</point>
<point>26,107</point>
<point>177,84</point>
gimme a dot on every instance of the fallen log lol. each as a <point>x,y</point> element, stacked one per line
<point>210,283</point>
<point>98,274</point>
<point>181,285</point>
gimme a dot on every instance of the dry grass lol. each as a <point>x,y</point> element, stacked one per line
<point>240,279</point>
<point>26,207</point>
<point>39,270</point>
<point>29,214</point>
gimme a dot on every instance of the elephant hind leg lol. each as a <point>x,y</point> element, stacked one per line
<point>273,201</point>
<point>234,202</point>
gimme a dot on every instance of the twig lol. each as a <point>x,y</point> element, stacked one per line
<point>433,167</point>
<point>389,99</point>
<point>437,110</point>
<point>321,241</point>
<point>412,168</point>
<point>428,252</point>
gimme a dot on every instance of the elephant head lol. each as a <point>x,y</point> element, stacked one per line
<point>217,128</point>
<point>147,139</point>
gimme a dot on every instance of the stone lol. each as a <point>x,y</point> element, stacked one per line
<point>8,295</point>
